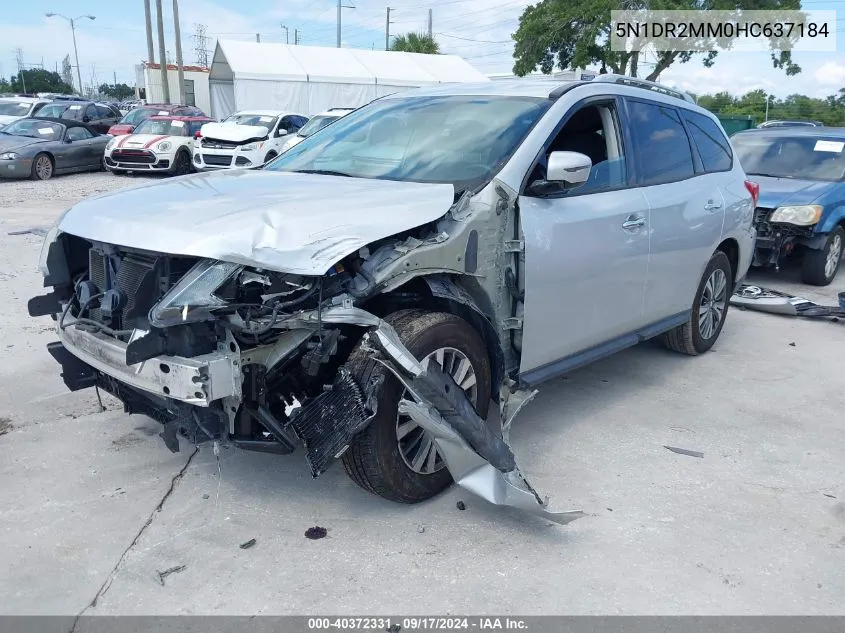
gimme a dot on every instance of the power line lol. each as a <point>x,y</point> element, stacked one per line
<point>469,39</point>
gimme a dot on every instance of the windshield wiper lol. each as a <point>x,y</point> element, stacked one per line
<point>755,173</point>
<point>322,172</point>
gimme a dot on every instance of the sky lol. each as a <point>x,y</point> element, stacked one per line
<point>478,30</point>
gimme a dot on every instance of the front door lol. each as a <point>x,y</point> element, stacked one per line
<point>586,250</point>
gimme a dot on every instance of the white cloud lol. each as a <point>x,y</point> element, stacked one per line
<point>831,74</point>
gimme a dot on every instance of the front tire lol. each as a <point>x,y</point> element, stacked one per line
<point>393,457</point>
<point>42,167</point>
<point>709,310</point>
<point>819,267</point>
<point>182,164</point>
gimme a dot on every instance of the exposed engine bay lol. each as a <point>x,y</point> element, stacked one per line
<point>223,351</point>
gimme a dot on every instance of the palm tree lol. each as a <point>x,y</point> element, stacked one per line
<point>416,43</point>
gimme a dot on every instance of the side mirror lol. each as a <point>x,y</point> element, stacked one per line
<point>281,132</point>
<point>68,140</point>
<point>86,119</point>
<point>197,134</point>
<point>571,168</point>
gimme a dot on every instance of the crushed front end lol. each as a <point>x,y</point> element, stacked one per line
<point>232,352</point>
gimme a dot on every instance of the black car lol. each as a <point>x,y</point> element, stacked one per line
<point>38,148</point>
<point>99,116</point>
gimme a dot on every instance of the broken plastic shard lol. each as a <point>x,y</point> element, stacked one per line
<point>472,472</point>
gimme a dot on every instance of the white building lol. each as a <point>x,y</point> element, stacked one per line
<point>309,79</point>
<point>148,85</point>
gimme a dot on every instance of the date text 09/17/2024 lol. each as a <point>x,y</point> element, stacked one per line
<point>411,624</point>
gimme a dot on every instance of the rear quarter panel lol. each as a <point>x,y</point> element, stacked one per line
<point>739,217</point>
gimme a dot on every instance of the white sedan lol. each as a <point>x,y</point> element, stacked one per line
<point>158,144</point>
<point>317,123</point>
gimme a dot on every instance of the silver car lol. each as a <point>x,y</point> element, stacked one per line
<point>373,291</point>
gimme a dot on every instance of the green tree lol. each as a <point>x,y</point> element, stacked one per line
<point>5,86</point>
<point>118,92</point>
<point>576,34</point>
<point>39,80</point>
<point>416,43</point>
<point>829,110</point>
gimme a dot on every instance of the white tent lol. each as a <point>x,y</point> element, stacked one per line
<point>309,79</point>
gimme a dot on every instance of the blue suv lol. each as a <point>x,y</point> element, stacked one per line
<point>801,208</point>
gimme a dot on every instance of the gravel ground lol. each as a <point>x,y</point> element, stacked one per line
<point>66,188</point>
<point>93,505</point>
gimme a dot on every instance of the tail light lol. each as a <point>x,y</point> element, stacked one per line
<point>754,189</point>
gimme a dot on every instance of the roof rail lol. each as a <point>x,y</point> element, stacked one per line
<point>639,83</point>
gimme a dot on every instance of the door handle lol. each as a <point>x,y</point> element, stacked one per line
<point>712,206</point>
<point>633,222</point>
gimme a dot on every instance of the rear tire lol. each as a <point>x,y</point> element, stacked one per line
<point>375,460</point>
<point>42,167</point>
<point>709,310</point>
<point>819,267</point>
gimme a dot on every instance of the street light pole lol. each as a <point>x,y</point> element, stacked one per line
<point>73,32</point>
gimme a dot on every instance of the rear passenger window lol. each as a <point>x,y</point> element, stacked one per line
<point>713,147</point>
<point>660,142</point>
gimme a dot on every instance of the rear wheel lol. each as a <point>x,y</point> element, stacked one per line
<point>42,167</point>
<point>819,267</point>
<point>394,457</point>
<point>709,310</point>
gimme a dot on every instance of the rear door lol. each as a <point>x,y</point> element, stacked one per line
<point>687,209</point>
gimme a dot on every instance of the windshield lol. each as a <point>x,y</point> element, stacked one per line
<point>316,123</point>
<point>803,157</point>
<point>53,110</point>
<point>14,108</point>
<point>34,128</point>
<point>170,128</point>
<point>134,117</point>
<point>460,140</point>
<point>260,120</point>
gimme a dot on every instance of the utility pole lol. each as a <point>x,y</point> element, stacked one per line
<point>296,36</point>
<point>201,45</point>
<point>258,37</point>
<point>287,34</point>
<point>387,31</point>
<point>162,53</point>
<point>340,6</point>
<point>114,77</point>
<point>19,58</point>
<point>177,34</point>
<point>430,34</point>
<point>149,22</point>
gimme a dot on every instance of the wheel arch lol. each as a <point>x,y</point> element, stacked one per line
<point>442,293</point>
<point>730,247</point>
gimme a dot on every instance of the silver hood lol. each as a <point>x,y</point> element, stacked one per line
<point>288,222</point>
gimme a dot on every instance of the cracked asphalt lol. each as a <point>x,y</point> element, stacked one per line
<point>93,508</point>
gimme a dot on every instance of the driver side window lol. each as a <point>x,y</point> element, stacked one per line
<point>592,130</point>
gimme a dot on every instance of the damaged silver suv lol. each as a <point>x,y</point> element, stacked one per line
<point>368,293</point>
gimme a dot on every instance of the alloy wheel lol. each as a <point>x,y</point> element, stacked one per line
<point>416,445</point>
<point>834,254</point>
<point>44,168</point>
<point>714,300</point>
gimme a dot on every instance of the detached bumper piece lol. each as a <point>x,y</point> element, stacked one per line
<point>478,460</point>
<point>775,302</point>
<point>327,423</point>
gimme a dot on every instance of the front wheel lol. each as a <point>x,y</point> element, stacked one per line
<point>182,164</point>
<point>819,267</point>
<point>394,457</point>
<point>709,310</point>
<point>42,168</point>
